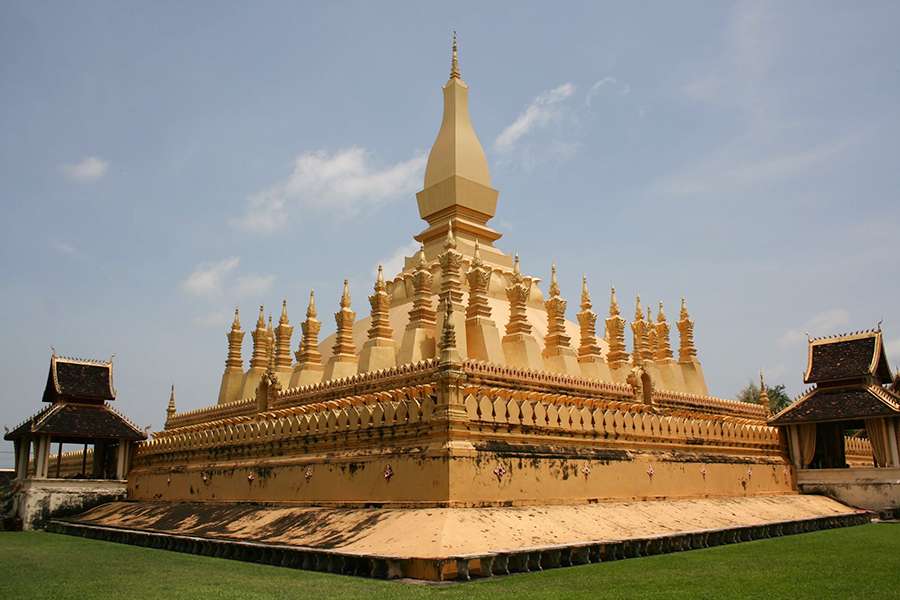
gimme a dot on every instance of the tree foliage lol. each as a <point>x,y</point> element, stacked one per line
<point>778,398</point>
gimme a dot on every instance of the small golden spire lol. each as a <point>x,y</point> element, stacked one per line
<point>613,302</point>
<point>554,283</point>
<point>170,410</point>
<point>261,321</point>
<point>284,315</point>
<point>585,294</point>
<point>476,258</point>
<point>763,392</point>
<point>379,279</point>
<point>516,270</point>
<point>684,312</point>
<point>236,324</point>
<point>638,311</point>
<point>649,315</point>
<point>421,264</point>
<point>661,315</point>
<point>269,327</point>
<point>451,239</point>
<point>345,296</point>
<point>454,62</point>
<point>311,312</point>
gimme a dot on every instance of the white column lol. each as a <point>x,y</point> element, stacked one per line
<point>891,428</point>
<point>23,449</point>
<point>794,446</point>
<point>121,459</point>
<point>43,457</point>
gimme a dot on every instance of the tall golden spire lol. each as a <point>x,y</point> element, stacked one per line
<point>457,179</point>
<point>170,410</point>
<point>235,338</point>
<point>663,350</point>
<point>589,349</point>
<point>686,349</point>
<point>454,62</point>
<point>763,393</point>
<point>615,334</point>
<point>260,351</point>
<point>309,361</point>
<point>343,361</point>
<point>283,334</point>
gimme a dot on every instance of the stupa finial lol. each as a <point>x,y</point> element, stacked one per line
<point>763,392</point>
<point>613,302</point>
<point>660,315</point>
<point>345,295</point>
<point>236,324</point>
<point>638,311</point>
<point>516,268</point>
<point>585,294</point>
<point>454,61</point>
<point>476,257</point>
<point>311,312</point>
<point>450,241</point>
<point>554,282</point>
<point>379,279</point>
<point>284,315</point>
<point>170,409</point>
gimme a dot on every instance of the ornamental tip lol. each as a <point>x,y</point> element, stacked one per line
<point>379,278</point>
<point>454,60</point>
<point>684,311</point>
<point>613,302</point>
<point>450,242</point>
<point>345,295</point>
<point>585,293</point>
<point>638,311</point>
<point>420,263</point>
<point>554,282</point>
<point>661,314</point>
<point>516,268</point>
<point>269,327</point>
<point>284,316</point>
<point>311,307</point>
<point>261,320</point>
<point>236,323</point>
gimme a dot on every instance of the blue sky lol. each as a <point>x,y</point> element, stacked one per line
<point>162,162</point>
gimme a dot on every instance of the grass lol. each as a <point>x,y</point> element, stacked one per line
<point>856,562</point>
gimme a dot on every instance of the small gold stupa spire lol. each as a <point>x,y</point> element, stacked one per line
<point>763,393</point>
<point>454,61</point>
<point>615,334</point>
<point>311,312</point>
<point>170,409</point>
<point>554,282</point>
<point>345,295</point>
<point>686,349</point>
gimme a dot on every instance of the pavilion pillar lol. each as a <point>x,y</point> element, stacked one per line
<point>891,428</point>
<point>23,449</point>
<point>97,471</point>
<point>794,446</point>
<point>122,459</point>
<point>43,457</point>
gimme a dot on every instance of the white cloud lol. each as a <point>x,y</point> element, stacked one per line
<point>393,264</point>
<point>64,248</point>
<point>207,278</point>
<point>89,169</point>
<point>610,82</point>
<point>745,165</point>
<point>544,109</point>
<point>217,318</point>
<point>254,285</point>
<point>343,183</point>
<point>824,323</point>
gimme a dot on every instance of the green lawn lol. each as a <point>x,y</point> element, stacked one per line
<point>855,562</point>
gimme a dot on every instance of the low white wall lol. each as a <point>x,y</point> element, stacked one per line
<point>37,500</point>
<point>869,488</point>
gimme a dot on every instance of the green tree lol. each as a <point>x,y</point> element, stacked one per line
<point>778,398</point>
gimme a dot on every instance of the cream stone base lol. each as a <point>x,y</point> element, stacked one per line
<point>456,542</point>
<point>562,360</point>
<point>484,340</point>
<point>340,367</point>
<point>418,344</point>
<point>522,351</point>
<point>377,354</point>
<point>307,375</point>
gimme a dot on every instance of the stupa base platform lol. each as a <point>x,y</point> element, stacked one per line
<point>454,543</point>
